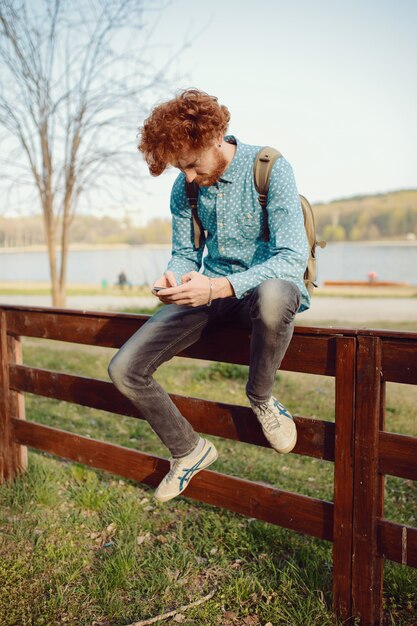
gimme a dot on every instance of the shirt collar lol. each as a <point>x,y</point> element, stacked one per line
<point>230,173</point>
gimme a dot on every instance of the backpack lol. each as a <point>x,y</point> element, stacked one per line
<point>264,161</point>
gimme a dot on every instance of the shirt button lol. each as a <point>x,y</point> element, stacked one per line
<point>222,249</point>
<point>220,195</point>
<point>221,224</point>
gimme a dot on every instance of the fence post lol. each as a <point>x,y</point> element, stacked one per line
<point>367,566</point>
<point>13,457</point>
<point>345,379</point>
<point>17,404</point>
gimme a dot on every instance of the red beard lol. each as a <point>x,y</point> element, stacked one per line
<point>205,180</point>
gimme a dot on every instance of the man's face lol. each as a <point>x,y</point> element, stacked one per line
<point>205,167</point>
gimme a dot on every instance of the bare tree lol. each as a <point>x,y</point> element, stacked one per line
<point>76,78</point>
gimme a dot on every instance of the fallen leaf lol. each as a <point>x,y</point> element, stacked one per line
<point>230,615</point>
<point>95,535</point>
<point>179,618</point>
<point>142,538</point>
<point>173,575</point>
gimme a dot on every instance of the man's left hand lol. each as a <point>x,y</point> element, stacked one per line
<point>195,290</point>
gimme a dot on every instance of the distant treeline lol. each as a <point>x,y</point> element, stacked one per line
<point>28,231</point>
<point>383,216</point>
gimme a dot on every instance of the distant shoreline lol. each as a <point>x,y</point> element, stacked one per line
<point>81,247</point>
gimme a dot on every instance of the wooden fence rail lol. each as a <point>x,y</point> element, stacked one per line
<point>361,362</point>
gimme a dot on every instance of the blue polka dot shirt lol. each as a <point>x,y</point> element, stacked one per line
<point>232,219</point>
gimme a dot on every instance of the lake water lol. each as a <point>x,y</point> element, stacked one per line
<point>143,264</point>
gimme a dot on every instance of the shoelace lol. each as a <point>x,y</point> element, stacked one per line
<point>269,420</point>
<point>175,463</point>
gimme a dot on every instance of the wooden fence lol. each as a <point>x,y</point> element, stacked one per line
<point>361,361</point>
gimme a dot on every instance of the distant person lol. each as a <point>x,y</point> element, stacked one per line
<point>372,277</point>
<point>122,280</point>
<point>248,281</point>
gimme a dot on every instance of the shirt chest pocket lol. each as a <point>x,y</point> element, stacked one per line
<point>249,224</point>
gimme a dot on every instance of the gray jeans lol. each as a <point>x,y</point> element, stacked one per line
<point>268,312</point>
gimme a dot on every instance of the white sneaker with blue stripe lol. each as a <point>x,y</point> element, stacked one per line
<point>277,424</point>
<point>182,471</point>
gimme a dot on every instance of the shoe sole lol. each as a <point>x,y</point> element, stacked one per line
<point>210,461</point>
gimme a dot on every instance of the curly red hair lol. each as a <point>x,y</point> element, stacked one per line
<point>191,121</point>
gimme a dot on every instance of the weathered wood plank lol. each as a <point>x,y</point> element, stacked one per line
<point>344,476</point>
<point>98,329</point>
<point>13,457</point>
<point>315,437</point>
<point>17,403</point>
<point>6,441</point>
<point>308,353</point>
<point>367,567</point>
<point>311,350</point>
<point>399,361</point>
<point>300,513</point>
<point>398,455</point>
<point>397,542</point>
<point>303,330</point>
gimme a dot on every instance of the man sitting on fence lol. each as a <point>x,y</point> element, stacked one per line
<point>246,280</point>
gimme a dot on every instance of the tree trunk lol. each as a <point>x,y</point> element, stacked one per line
<point>57,297</point>
<point>64,259</point>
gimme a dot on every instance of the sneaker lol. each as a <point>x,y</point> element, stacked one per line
<point>182,471</point>
<point>277,424</point>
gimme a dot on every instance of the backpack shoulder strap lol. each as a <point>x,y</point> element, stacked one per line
<point>192,189</point>
<point>262,167</point>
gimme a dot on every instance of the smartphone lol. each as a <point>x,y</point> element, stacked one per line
<point>156,289</point>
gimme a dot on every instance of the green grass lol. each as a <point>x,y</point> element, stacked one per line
<point>79,545</point>
<point>39,289</point>
<point>79,290</point>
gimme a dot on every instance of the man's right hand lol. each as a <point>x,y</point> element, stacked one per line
<point>166,280</point>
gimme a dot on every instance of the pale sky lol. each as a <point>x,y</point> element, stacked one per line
<point>331,84</point>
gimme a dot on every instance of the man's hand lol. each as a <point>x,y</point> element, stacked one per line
<point>195,290</point>
<point>166,280</point>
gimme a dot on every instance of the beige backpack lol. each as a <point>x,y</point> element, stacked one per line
<point>264,161</point>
